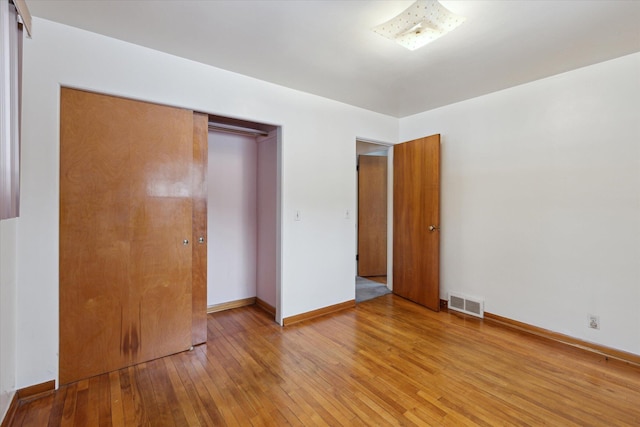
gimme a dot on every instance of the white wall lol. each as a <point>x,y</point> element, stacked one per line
<point>7,313</point>
<point>541,200</point>
<point>317,160</point>
<point>266,276</point>
<point>232,217</point>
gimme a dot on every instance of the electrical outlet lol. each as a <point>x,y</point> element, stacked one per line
<point>594,321</point>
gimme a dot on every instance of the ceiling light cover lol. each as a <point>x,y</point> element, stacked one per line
<point>421,23</point>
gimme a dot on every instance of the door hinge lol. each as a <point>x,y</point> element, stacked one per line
<point>356,257</point>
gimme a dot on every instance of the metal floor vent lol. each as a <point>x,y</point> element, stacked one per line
<point>466,304</point>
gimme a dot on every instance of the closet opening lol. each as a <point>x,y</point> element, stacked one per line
<point>243,215</point>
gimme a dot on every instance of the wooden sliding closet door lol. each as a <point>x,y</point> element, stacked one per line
<point>125,232</point>
<point>199,247</point>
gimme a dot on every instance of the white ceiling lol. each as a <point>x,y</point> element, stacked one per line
<point>327,48</point>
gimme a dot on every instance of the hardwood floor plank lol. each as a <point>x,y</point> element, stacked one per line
<point>104,404</point>
<point>132,404</point>
<point>182,397</point>
<point>68,411</point>
<point>117,407</point>
<point>289,415</point>
<point>381,412</point>
<point>219,390</point>
<point>18,419</point>
<point>386,362</point>
<point>81,416</point>
<point>38,411</point>
<point>310,414</point>
<point>57,409</point>
<point>242,352</point>
<point>152,413</point>
<point>207,410</point>
<point>170,411</point>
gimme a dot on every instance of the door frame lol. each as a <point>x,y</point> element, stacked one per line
<point>248,125</point>
<point>279,168</point>
<point>389,147</point>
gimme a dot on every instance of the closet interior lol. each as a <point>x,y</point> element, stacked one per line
<point>242,190</point>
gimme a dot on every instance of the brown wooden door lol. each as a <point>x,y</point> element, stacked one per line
<point>199,237</point>
<point>372,216</point>
<point>125,211</point>
<point>416,221</point>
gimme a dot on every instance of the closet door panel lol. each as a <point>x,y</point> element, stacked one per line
<point>161,271</point>
<point>94,241</point>
<point>125,209</point>
<point>161,222</point>
<point>199,249</point>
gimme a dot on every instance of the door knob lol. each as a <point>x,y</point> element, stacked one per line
<point>433,228</point>
<point>185,242</point>
<point>201,239</point>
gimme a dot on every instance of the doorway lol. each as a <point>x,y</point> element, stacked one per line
<point>372,228</point>
<point>243,209</point>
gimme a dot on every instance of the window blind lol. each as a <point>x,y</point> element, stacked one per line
<point>11,25</point>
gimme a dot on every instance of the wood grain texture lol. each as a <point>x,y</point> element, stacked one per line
<point>125,209</point>
<point>36,390</point>
<point>385,362</point>
<point>160,265</point>
<point>372,216</point>
<point>94,238</point>
<point>199,250</point>
<point>317,313</point>
<point>231,304</point>
<point>416,206</point>
<point>565,339</point>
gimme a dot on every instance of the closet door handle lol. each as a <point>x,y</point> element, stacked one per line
<point>201,239</point>
<point>185,242</point>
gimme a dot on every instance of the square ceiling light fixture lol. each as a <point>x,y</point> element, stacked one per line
<point>421,23</point>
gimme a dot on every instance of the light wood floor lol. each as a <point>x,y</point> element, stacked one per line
<point>385,362</point>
